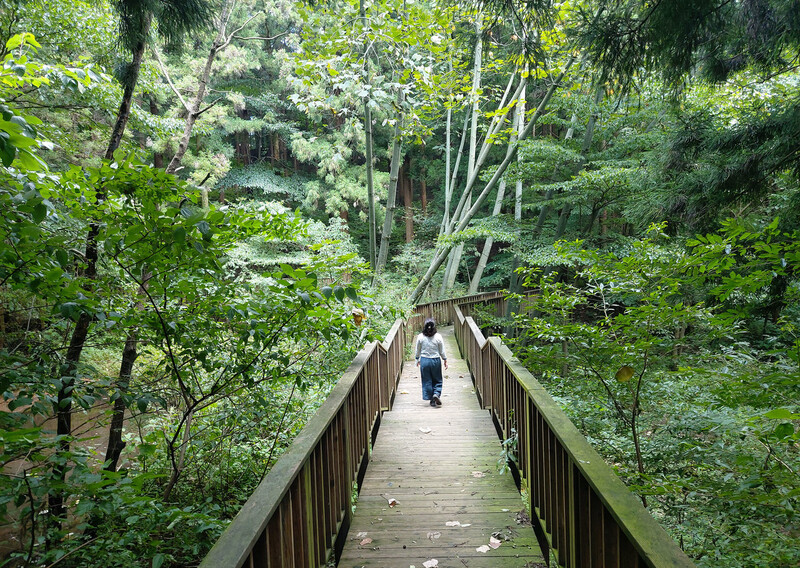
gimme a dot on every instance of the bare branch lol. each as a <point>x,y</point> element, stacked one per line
<point>209,107</point>
<point>164,72</point>
<point>242,38</point>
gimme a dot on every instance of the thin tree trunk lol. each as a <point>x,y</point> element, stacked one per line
<point>448,191</point>
<point>177,465</point>
<point>115,443</point>
<point>441,254</point>
<point>488,243</point>
<point>394,175</point>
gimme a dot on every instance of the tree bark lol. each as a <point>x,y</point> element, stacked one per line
<point>408,194</point>
<point>394,174</point>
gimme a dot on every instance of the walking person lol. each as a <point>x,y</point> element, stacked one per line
<point>429,355</point>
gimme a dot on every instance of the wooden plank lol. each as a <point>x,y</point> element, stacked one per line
<point>440,465</point>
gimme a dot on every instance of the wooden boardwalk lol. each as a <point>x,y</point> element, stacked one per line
<point>432,495</point>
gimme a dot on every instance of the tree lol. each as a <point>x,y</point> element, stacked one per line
<point>175,19</point>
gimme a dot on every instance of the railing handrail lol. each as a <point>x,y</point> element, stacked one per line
<point>652,543</point>
<point>287,497</point>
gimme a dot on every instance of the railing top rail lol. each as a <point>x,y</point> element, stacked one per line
<point>398,324</point>
<point>644,532</point>
<point>233,547</point>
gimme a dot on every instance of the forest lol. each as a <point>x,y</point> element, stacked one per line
<point>196,194</point>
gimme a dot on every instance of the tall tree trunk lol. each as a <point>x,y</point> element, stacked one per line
<point>63,405</point>
<point>454,177</point>
<point>423,193</point>
<point>514,284</point>
<point>394,174</point>
<point>488,243</point>
<point>441,254</point>
<point>448,191</point>
<point>370,186</point>
<point>453,264</point>
<point>194,109</point>
<point>408,194</point>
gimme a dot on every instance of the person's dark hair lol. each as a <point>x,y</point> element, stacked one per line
<point>429,328</point>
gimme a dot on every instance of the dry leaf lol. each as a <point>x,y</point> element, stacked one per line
<point>367,541</point>
<point>392,501</point>
<point>425,430</point>
<point>482,548</point>
<point>453,524</point>
<point>362,534</point>
<point>434,535</point>
<point>467,525</point>
<point>478,474</point>
<point>432,563</point>
<point>403,392</point>
<point>494,543</point>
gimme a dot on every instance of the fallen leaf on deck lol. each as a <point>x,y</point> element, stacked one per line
<point>482,548</point>
<point>452,524</point>
<point>478,474</point>
<point>432,563</point>
<point>392,501</point>
<point>425,430</point>
<point>434,535</point>
<point>362,534</point>
<point>403,392</point>
<point>367,541</point>
<point>494,543</point>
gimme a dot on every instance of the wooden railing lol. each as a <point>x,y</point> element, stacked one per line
<point>300,513</point>
<point>442,311</point>
<point>583,514</point>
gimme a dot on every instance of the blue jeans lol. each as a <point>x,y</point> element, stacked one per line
<point>431,370</point>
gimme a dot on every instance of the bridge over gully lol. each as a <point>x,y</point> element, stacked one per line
<point>379,478</point>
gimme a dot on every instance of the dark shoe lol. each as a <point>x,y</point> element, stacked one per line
<point>435,401</point>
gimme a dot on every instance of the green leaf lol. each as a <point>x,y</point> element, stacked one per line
<point>781,414</point>
<point>179,235</point>
<point>62,258</point>
<point>352,294</point>
<point>39,212</point>
<point>158,560</point>
<point>784,431</point>
<point>141,404</point>
<point>327,291</point>
<point>338,291</point>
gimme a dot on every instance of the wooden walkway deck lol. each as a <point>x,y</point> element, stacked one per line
<point>440,466</point>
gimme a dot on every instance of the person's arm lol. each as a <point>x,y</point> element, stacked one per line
<point>418,350</point>
<point>440,344</point>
